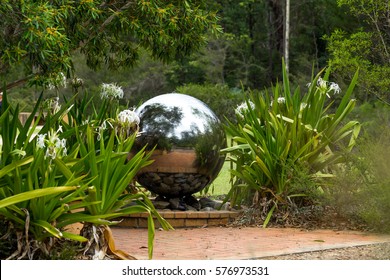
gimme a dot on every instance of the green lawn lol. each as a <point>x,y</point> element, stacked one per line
<point>221,184</point>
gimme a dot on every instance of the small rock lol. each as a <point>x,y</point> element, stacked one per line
<point>190,208</point>
<point>174,203</point>
<point>161,204</point>
<point>225,206</point>
<point>207,202</point>
<point>207,209</point>
<point>177,204</point>
<point>168,180</point>
<point>192,201</point>
<point>154,176</point>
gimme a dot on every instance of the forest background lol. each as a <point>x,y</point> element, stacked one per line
<point>243,50</point>
<point>343,34</point>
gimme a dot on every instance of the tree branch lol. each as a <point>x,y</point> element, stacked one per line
<point>108,20</point>
<point>16,83</point>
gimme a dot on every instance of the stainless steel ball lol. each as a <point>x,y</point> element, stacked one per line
<point>187,137</point>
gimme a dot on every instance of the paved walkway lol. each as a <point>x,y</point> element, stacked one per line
<point>221,243</point>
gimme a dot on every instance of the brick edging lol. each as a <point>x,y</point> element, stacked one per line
<point>180,219</point>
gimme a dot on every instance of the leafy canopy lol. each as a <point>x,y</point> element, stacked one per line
<point>42,35</point>
<point>366,49</point>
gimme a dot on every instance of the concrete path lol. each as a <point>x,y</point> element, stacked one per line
<point>220,243</point>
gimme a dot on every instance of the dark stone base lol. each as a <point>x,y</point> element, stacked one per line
<point>173,184</point>
<point>188,203</point>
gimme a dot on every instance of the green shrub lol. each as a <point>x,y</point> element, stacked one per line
<point>52,176</point>
<point>281,134</point>
<point>362,191</point>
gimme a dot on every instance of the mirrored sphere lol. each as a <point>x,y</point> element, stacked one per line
<point>187,137</point>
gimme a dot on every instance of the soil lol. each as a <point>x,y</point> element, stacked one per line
<point>368,252</point>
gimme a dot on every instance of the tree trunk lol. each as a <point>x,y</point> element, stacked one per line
<point>287,35</point>
<point>276,33</point>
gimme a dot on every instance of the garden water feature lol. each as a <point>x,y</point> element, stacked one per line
<point>187,138</point>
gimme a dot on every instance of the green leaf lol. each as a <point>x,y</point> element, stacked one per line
<point>72,236</point>
<point>15,164</point>
<point>151,234</point>
<point>269,215</point>
<point>48,227</point>
<point>34,194</point>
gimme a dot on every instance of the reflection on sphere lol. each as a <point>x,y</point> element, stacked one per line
<point>187,137</point>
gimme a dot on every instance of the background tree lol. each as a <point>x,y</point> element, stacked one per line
<point>366,48</point>
<point>41,36</point>
<point>253,40</point>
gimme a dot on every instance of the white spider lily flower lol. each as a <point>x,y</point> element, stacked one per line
<point>52,105</point>
<point>280,100</point>
<point>100,130</point>
<point>243,108</point>
<point>55,147</point>
<point>41,141</point>
<point>77,82</point>
<point>334,87</point>
<point>126,123</point>
<point>128,117</point>
<point>62,80</point>
<point>326,87</point>
<point>111,91</point>
<point>56,105</point>
<point>322,84</point>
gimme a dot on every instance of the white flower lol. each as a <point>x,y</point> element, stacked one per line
<point>128,117</point>
<point>243,108</point>
<point>77,82</point>
<point>111,91</point>
<point>322,84</point>
<point>41,141</point>
<point>53,144</point>
<point>334,87</point>
<point>126,123</point>
<point>280,100</point>
<point>53,104</point>
<point>101,129</point>
<point>327,87</point>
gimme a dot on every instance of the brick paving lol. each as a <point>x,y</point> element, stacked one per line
<point>220,243</point>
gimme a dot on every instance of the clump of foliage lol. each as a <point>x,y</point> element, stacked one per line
<point>362,191</point>
<point>281,134</point>
<point>54,175</point>
<point>367,48</point>
<point>42,36</point>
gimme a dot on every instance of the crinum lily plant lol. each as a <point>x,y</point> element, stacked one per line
<point>281,135</point>
<point>70,170</point>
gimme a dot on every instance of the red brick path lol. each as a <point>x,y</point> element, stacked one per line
<point>236,243</point>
